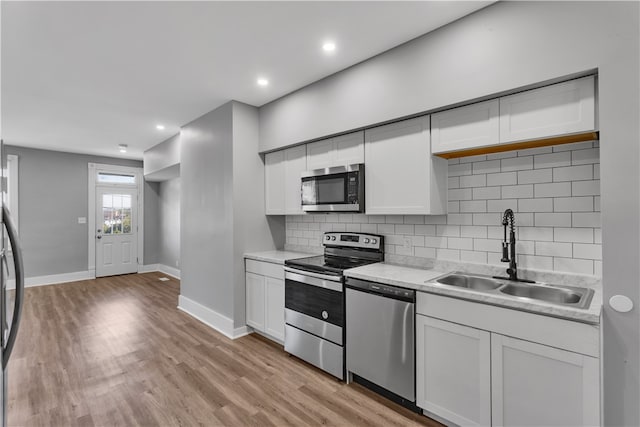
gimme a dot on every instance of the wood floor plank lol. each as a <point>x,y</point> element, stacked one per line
<point>116,351</point>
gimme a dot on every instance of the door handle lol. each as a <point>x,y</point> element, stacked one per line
<point>18,265</point>
<point>98,237</point>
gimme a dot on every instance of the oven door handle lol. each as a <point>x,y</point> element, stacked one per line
<point>315,279</point>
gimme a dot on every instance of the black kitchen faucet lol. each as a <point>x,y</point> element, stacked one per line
<point>508,219</point>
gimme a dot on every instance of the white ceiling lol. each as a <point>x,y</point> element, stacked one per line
<point>86,76</point>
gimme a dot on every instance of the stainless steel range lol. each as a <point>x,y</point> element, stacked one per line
<point>315,302</point>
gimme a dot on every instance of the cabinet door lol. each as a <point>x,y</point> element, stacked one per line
<point>471,126</point>
<point>349,149</point>
<point>274,308</point>
<point>255,300</point>
<point>559,109</point>
<point>401,177</point>
<point>320,154</point>
<point>536,385</point>
<point>295,162</point>
<point>274,183</point>
<point>453,376</point>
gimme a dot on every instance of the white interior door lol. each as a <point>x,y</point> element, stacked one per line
<point>116,231</point>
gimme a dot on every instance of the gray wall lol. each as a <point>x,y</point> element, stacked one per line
<point>169,223</point>
<point>253,230</point>
<point>222,208</point>
<point>502,47</point>
<point>53,193</point>
<point>162,159</point>
<point>206,210</point>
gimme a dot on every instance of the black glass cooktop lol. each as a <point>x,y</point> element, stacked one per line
<point>327,264</point>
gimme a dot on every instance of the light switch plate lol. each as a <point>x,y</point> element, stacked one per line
<point>82,220</point>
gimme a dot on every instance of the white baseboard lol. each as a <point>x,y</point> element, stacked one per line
<point>211,318</point>
<point>162,268</point>
<point>52,279</point>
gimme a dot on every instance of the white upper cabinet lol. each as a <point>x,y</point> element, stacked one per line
<point>274,180</point>
<point>471,126</point>
<point>295,162</point>
<point>401,176</point>
<point>559,109</point>
<point>339,151</point>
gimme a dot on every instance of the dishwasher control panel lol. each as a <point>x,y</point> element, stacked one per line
<point>382,289</point>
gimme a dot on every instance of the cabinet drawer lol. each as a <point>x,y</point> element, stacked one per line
<point>565,334</point>
<point>265,268</point>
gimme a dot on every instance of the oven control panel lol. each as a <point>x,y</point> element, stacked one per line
<point>353,240</point>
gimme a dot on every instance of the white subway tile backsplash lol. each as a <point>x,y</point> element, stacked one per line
<point>573,204</point>
<point>404,228</point>
<point>424,252</point>
<point>473,231</point>
<point>485,193</point>
<point>557,189</point>
<point>501,205</point>
<point>517,191</point>
<point>460,169</point>
<point>588,156</point>
<point>473,181</point>
<point>543,219</point>
<point>553,160</point>
<point>554,249</point>
<point>553,191</point>
<point>502,178</point>
<point>516,164</point>
<point>394,219</point>
<point>587,251</point>
<point>573,235</point>
<point>573,173</point>
<point>586,219</point>
<point>427,230</point>
<point>586,188</point>
<point>461,194</point>
<point>473,206</point>
<point>535,176</point>
<point>450,254</point>
<point>460,219</point>
<point>490,166</point>
<point>460,243</point>
<point>448,230</point>
<point>535,205</point>
<point>473,256</point>
<point>570,265</point>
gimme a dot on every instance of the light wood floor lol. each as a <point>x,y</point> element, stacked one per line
<point>116,351</point>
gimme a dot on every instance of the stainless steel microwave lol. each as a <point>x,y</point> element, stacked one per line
<point>338,189</point>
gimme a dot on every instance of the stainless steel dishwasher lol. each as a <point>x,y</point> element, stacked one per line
<point>380,338</point>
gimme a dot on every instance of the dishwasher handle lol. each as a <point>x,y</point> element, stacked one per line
<point>387,291</point>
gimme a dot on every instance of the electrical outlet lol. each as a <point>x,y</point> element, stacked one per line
<point>407,243</point>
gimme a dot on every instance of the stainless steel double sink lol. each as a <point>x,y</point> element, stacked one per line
<point>568,296</point>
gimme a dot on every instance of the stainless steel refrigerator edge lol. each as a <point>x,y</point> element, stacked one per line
<point>8,303</point>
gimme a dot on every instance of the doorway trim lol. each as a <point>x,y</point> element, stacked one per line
<point>94,170</point>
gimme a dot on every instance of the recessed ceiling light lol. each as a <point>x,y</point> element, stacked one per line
<point>329,46</point>
<point>160,127</point>
<point>262,82</point>
<point>123,148</point>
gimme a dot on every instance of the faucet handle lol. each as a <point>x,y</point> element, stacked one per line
<point>505,252</point>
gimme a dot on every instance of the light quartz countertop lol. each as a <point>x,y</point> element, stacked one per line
<point>276,257</point>
<point>423,280</point>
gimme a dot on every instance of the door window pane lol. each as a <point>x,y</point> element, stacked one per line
<point>116,214</point>
<point>114,178</point>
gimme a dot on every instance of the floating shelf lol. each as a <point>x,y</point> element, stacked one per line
<point>558,140</point>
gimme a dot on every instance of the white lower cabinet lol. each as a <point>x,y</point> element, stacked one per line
<point>264,283</point>
<point>274,307</point>
<point>255,300</point>
<point>453,371</point>
<point>478,364</point>
<point>537,385</point>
